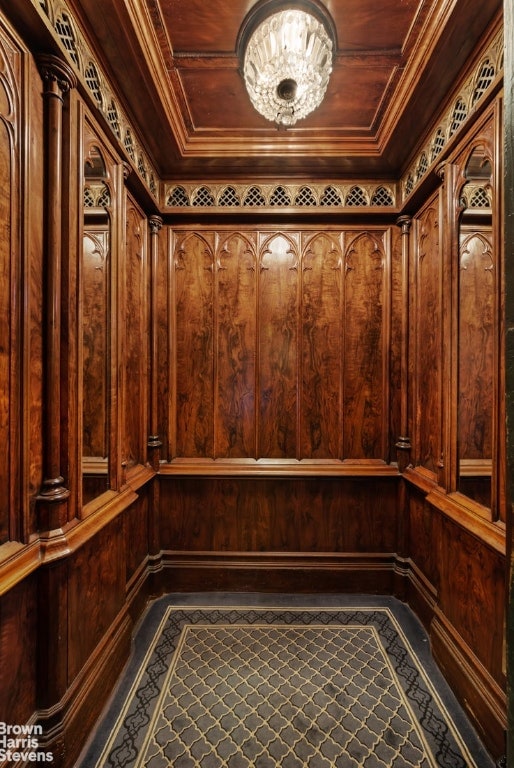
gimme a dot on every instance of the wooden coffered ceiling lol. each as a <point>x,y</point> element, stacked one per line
<point>176,67</point>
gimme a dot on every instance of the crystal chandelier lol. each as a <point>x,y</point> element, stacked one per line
<point>287,61</point>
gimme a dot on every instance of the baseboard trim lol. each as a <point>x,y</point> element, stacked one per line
<point>480,695</point>
<point>68,724</point>
<point>420,594</point>
<point>272,572</point>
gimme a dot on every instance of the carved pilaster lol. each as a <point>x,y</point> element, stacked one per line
<point>403,444</point>
<point>154,441</point>
<point>57,78</point>
<point>451,210</point>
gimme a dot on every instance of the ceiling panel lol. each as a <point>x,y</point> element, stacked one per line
<point>352,101</point>
<point>176,65</point>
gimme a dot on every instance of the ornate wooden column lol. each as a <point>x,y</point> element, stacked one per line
<point>57,78</point>
<point>449,226</point>
<point>154,442</point>
<point>52,507</point>
<point>403,444</point>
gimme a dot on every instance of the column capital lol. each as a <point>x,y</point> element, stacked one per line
<point>155,223</point>
<point>404,222</point>
<point>54,70</point>
<point>445,168</point>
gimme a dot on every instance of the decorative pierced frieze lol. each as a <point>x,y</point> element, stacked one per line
<point>477,196</point>
<point>177,197</point>
<point>477,84</point>
<point>331,197</point>
<point>65,31</point>
<point>305,197</point>
<point>422,166</point>
<point>77,49</point>
<point>128,142</point>
<point>437,144</point>
<point>74,44</point>
<point>458,115</point>
<point>356,196</point>
<point>93,82</point>
<point>97,196</point>
<point>186,195</point>
<point>253,197</point>
<point>485,76</point>
<point>141,166</point>
<point>202,198</point>
<point>280,196</point>
<point>382,196</point>
<point>229,197</point>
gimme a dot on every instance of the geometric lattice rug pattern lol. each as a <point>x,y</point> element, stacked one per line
<point>262,686</point>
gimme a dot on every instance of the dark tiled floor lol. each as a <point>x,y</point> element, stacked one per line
<point>221,680</point>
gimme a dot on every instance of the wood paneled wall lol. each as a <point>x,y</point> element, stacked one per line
<point>283,345</point>
<point>134,271</point>
<point>455,507</point>
<point>72,561</point>
<point>257,381</point>
<point>427,337</point>
<point>307,534</point>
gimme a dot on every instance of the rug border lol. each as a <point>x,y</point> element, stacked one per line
<point>158,612</point>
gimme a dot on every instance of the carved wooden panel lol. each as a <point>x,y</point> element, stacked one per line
<point>278,352</point>
<point>365,371</point>
<point>103,292</point>
<point>135,532</point>
<point>427,338</point>
<point>6,168</point>
<point>476,362</point>
<point>424,531</point>
<point>18,651</point>
<point>194,343</point>
<point>134,270</point>
<point>399,318</point>
<point>301,515</point>
<point>281,345</point>
<point>321,415</point>
<point>95,339</point>
<point>10,327</point>
<point>472,594</point>
<point>164,300</point>
<point>33,298</point>
<point>96,592</point>
<point>236,269</point>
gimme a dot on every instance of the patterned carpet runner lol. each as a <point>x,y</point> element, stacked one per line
<point>262,686</point>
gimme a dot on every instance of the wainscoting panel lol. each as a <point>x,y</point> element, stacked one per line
<point>18,643</point>
<point>266,533</point>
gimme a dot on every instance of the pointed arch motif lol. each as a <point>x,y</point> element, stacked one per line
<point>321,347</point>
<point>365,377</point>
<point>236,315</point>
<point>67,35</point>
<point>254,197</point>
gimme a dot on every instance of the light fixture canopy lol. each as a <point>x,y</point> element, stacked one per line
<point>286,55</point>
